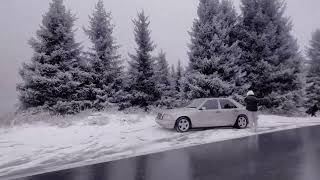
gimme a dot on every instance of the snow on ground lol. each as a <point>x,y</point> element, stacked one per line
<point>42,147</point>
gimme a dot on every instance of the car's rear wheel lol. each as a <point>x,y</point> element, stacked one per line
<point>242,122</point>
<point>183,124</point>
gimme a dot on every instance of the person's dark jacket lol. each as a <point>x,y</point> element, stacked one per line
<point>315,108</point>
<point>252,103</point>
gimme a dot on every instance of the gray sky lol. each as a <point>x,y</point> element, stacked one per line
<point>170,21</point>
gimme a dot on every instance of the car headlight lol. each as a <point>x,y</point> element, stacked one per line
<point>161,116</point>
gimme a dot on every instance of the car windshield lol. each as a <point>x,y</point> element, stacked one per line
<point>195,103</point>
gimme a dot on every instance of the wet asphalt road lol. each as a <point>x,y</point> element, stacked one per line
<point>287,155</point>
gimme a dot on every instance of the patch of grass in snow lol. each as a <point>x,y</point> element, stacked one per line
<point>34,116</point>
<point>97,120</point>
<point>299,112</point>
<point>92,118</point>
<point>89,117</point>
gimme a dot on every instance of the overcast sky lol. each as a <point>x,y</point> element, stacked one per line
<point>170,22</point>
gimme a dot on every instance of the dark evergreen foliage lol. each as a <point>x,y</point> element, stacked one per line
<point>142,84</point>
<point>270,57</point>
<point>106,69</point>
<point>50,79</point>
<point>214,51</point>
<point>313,75</point>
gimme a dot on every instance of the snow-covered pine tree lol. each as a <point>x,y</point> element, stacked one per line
<point>173,76</point>
<point>313,75</point>
<point>270,55</point>
<point>163,83</point>
<point>50,79</point>
<point>141,84</point>
<point>213,51</point>
<point>162,71</point>
<point>106,68</point>
<point>178,77</point>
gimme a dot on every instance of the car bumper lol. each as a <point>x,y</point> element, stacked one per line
<point>169,124</point>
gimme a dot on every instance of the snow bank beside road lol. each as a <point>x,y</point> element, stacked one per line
<point>108,136</point>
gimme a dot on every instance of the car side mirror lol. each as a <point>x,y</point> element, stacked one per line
<point>203,108</point>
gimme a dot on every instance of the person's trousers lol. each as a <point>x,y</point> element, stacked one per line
<point>253,118</point>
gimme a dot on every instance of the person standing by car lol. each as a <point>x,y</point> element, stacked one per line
<point>252,103</point>
<point>313,110</point>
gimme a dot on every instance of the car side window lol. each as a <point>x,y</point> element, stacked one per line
<point>227,104</point>
<point>211,104</point>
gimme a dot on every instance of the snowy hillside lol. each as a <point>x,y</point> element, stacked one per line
<point>102,137</point>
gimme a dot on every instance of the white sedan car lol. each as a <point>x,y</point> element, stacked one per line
<point>208,112</point>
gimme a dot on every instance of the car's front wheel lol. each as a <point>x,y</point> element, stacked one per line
<point>242,122</point>
<point>183,124</point>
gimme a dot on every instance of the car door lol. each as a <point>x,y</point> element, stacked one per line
<point>209,114</point>
<point>228,112</point>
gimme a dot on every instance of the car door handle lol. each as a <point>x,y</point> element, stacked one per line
<point>218,111</point>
